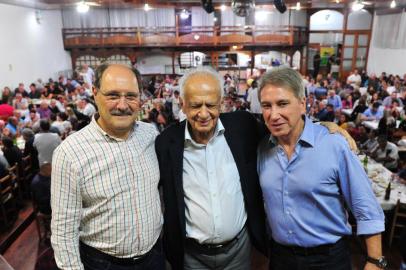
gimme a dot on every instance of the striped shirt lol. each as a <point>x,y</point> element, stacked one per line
<point>104,192</point>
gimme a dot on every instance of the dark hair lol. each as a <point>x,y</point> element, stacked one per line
<point>7,142</point>
<point>376,105</point>
<point>44,125</point>
<point>63,116</point>
<point>102,68</point>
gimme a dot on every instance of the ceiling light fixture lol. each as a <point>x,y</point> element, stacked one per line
<point>393,4</point>
<point>82,7</point>
<point>357,5</point>
<point>338,1</point>
<point>298,7</point>
<point>215,19</point>
<point>184,14</point>
<point>223,7</point>
<point>196,37</point>
<point>147,7</point>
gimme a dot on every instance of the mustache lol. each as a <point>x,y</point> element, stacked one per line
<point>121,112</point>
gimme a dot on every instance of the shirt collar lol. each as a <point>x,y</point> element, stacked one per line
<point>307,136</point>
<point>96,126</point>
<point>219,130</point>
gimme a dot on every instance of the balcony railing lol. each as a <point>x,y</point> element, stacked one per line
<point>202,36</point>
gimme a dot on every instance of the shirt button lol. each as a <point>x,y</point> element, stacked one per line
<point>286,193</point>
<point>290,232</point>
<point>288,212</point>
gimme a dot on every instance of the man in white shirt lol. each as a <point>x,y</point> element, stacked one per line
<point>85,107</point>
<point>88,75</point>
<point>354,79</point>
<point>213,204</point>
<point>387,153</point>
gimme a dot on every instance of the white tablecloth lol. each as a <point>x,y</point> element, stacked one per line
<point>347,112</point>
<point>371,124</point>
<point>380,177</point>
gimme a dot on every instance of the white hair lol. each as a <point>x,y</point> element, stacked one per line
<point>201,70</point>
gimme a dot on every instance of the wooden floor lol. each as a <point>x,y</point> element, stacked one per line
<point>22,254</point>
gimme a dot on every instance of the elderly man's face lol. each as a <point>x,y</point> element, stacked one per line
<point>117,99</point>
<point>202,104</point>
<point>282,110</point>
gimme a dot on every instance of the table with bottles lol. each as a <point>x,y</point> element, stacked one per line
<point>384,184</point>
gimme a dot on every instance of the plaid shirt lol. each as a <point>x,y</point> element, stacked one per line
<point>104,192</point>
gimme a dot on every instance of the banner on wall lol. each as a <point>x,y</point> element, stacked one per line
<point>325,53</point>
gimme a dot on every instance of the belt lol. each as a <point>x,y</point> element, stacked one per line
<point>306,251</point>
<point>91,251</point>
<point>212,249</point>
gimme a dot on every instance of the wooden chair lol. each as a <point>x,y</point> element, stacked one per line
<point>27,174</point>
<point>398,223</point>
<point>7,199</point>
<point>17,187</point>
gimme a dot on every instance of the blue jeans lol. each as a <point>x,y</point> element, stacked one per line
<point>154,260</point>
<point>336,257</point>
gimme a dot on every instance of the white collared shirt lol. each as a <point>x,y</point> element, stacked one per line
<point>214,211</point>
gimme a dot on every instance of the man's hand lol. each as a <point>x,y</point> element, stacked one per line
<point>334,128</point>
<point>371,266</point>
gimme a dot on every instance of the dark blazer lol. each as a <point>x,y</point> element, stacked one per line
<point>242,136</point>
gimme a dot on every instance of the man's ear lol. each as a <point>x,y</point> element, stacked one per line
<point>94,90</point>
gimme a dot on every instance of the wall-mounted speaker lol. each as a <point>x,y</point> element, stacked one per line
<point>280,5</point>
<point>208,6</point>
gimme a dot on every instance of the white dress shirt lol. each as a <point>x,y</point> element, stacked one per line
<point>215,211</point>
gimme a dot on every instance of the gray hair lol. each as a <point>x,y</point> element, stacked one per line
<point>201,70</point>
<point>27,132</point>
<point>283,77</point>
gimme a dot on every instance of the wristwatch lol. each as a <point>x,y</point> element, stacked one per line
<point>380,262</point>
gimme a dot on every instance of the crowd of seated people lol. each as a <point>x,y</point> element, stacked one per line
<point>361,99</point>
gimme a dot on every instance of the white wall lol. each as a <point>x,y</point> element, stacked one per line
<point>154,63</point>
<point>392,61</point>
<point>29,50</point>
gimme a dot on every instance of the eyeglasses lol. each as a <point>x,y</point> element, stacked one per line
<point>114,97</point>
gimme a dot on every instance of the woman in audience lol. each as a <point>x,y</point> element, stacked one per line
<point>342,121</point>
<point>347,102</point>
<point>7,96</point>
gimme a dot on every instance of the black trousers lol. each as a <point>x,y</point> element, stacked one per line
<point>336,257</point>
<point>95,260</point>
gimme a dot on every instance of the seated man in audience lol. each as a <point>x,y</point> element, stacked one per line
<point>85,107</point>
<point>354,79</point>
<point>34,92</point>
<point>12,125</point>
<point>11,152</point>
<point>306,175</point>
<point>375,113</point>
<point>387,102</point>
<point>370,145</point>
<point>334,100</point>
<point>386,153</point>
